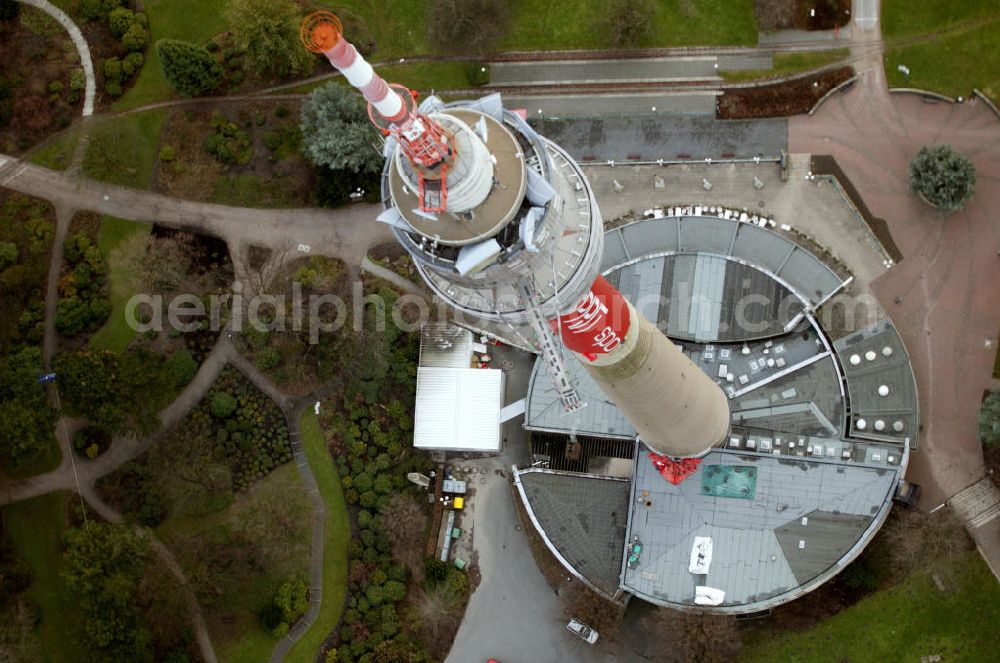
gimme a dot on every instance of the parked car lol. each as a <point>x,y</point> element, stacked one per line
<point>577,627</point>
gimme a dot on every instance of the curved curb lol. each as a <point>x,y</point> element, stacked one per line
<point>846,84</point>
<point>924,93</point>
<point>81,46</point>
<point>986,100</point>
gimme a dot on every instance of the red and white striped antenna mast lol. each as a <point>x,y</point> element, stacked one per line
<point>392,108</point>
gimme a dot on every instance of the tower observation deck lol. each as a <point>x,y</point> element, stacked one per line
<point>502,224</point>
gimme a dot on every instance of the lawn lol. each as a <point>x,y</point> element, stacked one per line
<point>905,18</point>
<point>905,623</point>
<point>191,20</point>
<point>237,557</point>
<point>399,26</point>
<point>337,535</point>
<point>58,151</point>
<point>545,25</point>
<point>36,527</point>
<point>952,65</point>
<point>123,244</point>
<point>122,150</point>
<point>785,64</point>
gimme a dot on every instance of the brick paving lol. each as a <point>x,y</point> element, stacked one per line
<point>949,279</point>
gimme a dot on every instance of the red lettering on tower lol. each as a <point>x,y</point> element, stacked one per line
<point>598,324</point>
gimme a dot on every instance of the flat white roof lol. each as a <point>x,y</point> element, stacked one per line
<point>458,409</point>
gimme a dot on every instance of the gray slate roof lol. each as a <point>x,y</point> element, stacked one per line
<point>752,560</point>
<point>584,518</point>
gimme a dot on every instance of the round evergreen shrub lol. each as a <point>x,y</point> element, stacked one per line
<point>943,177</point>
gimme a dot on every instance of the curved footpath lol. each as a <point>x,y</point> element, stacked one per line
<point>81,47</point>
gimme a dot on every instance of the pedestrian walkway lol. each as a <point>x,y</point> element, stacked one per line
<point>695,102</point>
<point>590,72</point>
<point>81,46</point>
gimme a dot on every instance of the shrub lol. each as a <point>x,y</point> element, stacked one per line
<point>136,38</point>
<point>77,80</point>
<point>167,153</point>
<point>189,69</point>
<point>281,111</point>
<point>120,20</point>
<point>943,177</point>
<point>859,575</point>
<point>132,64</point>
<point>267,359</point>
<point>989,419</point>
<point>97,9</point>
<point>8,254</point>
<point>479,73</point>
<point>273,140</point>
<point>228,143</point>
<point>182,367</point>
<point>55,87</point>
<point>114,88</point>
<point>223,405</point>
<point>113,71</point>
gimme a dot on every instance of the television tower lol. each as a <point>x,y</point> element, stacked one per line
<point>502,225</point>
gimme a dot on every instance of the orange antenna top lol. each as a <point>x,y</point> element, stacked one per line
<point>320,31</point>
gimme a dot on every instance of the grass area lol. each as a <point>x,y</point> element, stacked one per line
<point>122,150</point>
<point>238,556</point>
<point>544,25</point>
<point>123,244</point>
<point>906,18</point>
<point>952,65</point>
<point>337,534</point>
<point>58,151</point>
<point>424,76</point>
<point>191,20</point>
<point>785,64</point>
<point>903,623</point>
<point>36,527</point>
<point>398,26</point>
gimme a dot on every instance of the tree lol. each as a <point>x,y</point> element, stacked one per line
<point>117,394</point>
<point>337,133</point>
<point>103,566</point>
<point>26,420</point>
<point>630,21</point>
<point>945,178</point>
<point>267,31</point>
<point>470,26</point>
<point>989,419</point>
<point>191,70</point>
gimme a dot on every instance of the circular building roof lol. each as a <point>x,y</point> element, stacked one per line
<point>797,489</point>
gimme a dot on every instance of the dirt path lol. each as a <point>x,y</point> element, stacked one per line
<point>108,513</point>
